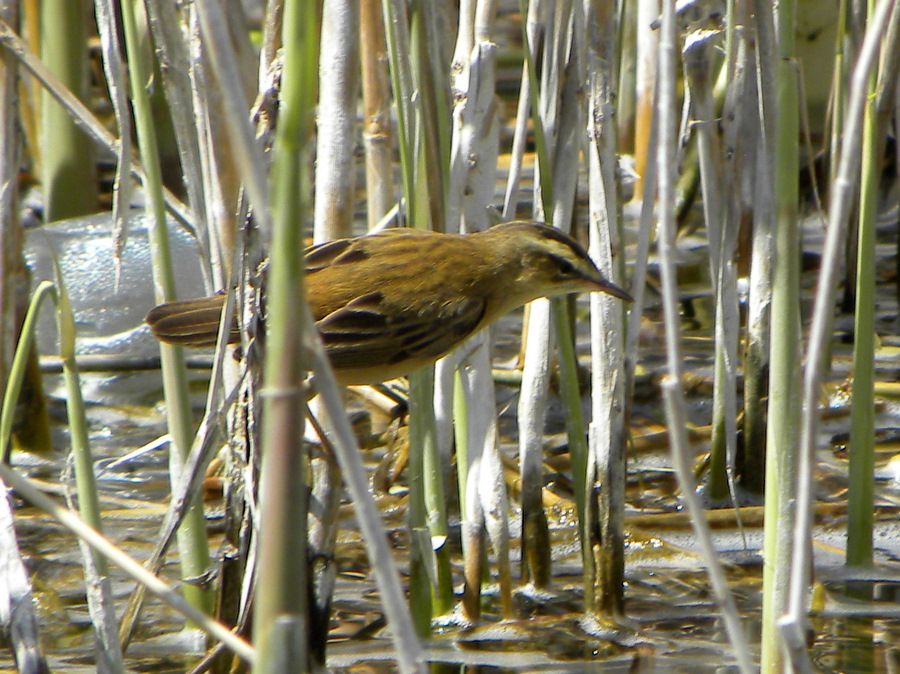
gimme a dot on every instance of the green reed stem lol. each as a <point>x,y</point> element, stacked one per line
<point>19,364</point>
<point>109,649</point>
<point>860,515</point>
<point>68,176</point>
<point>192,544</point>
<point>421,442</point>
<point>281,622</point>
<point>784,385</point>
<point>432,174</point>
<point>429,574</point>
<point>395,21</point>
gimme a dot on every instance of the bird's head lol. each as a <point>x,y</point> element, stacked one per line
<point>549,262</point>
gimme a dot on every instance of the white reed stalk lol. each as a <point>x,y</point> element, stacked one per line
<point>473,167</point>
<point>607,433</point>
<point>114,69</point>
<point>248,154</point>
<point>173,53</point>
<point>645,78</point>
<point>674,396</point>
<point>17,607</point>
<point>336,138</point>
<point>376,112</point>
<point>793,623</point>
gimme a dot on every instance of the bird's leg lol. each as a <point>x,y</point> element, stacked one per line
<point>322,526</point>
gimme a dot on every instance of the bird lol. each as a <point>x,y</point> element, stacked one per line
<point>389,303</point>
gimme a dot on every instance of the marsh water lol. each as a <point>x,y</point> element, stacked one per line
<point>672,621</point>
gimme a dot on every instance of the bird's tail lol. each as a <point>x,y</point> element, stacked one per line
<point>189,322</point>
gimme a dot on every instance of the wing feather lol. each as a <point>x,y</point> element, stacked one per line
<point>189,322</point>
<point>352,339</point>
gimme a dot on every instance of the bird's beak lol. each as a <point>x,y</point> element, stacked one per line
<point>601,284</point>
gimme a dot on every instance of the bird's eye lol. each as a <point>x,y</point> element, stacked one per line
<point>564,267</point>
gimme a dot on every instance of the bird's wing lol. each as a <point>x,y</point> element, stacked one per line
<point>325,254</point>
<point>345,251</point>
<point>361,335</point>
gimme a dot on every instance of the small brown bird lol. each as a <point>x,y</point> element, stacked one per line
<point>392,302</point>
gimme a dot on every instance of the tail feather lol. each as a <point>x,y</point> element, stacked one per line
<point>189,322</point>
